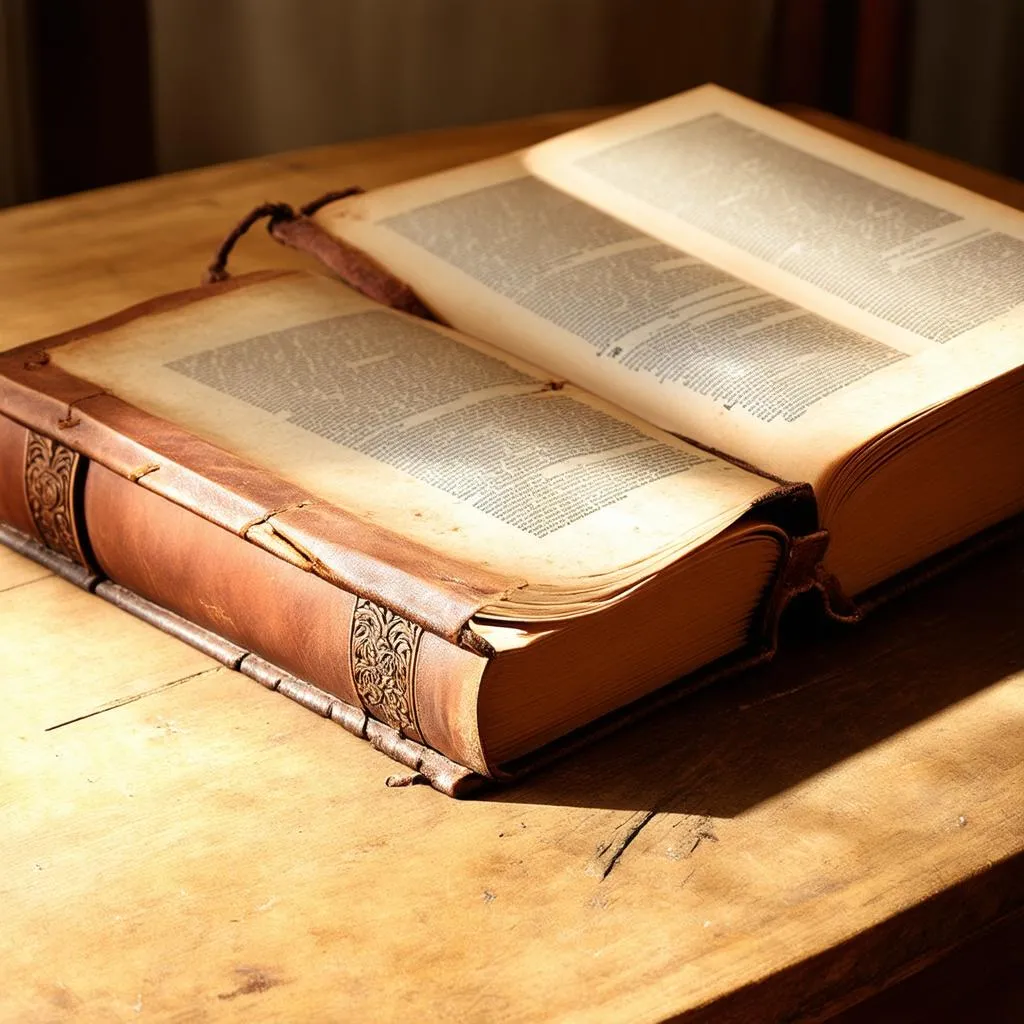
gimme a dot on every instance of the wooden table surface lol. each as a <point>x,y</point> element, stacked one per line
<point>180,844</point>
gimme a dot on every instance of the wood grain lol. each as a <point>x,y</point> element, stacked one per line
<point>179,844</point>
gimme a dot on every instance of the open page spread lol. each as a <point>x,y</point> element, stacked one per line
<point>431,435</point>
<point>721,270</point>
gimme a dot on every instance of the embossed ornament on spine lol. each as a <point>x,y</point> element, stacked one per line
<point>383,653</point>
<point>52,473</point>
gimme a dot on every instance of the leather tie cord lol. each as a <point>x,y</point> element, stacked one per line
<point>274,214</point>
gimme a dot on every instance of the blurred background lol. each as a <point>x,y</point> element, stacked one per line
<point>94,92</point>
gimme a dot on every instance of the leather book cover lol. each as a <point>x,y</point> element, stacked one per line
<point>128,505</point>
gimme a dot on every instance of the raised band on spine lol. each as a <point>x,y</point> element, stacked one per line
<point>54,475</point>
<point>383,647</point>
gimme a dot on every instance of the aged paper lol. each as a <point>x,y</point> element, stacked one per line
<point>814,297</point>
<point>433,436</point>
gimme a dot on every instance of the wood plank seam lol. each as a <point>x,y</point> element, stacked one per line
<point>25,583</point>
<point>131,698</point>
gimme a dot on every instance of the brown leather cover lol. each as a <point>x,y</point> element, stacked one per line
<point>13,505</point>
<point>443,774</point>
<point>294,619</point>
<point>355,623</point>
<point>180,573</point>
<point>193,571</point>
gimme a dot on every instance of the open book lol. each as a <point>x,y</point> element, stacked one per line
<point>693,359</point>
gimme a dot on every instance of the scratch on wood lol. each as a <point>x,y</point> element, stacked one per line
<point>705,831</point>
<point>781,694</point>
<point>610,853</point>
<point>695,831</point>
<point>121,701</point>
<point>256,980</point>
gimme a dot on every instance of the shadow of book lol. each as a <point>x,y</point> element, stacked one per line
<point>831,693</point>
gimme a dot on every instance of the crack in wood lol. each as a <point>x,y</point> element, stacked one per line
<point>609,854</point>
<point>121,701</point>
<point>697,831</point>
<point>705,831</point>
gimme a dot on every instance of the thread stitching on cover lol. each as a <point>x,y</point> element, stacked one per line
<point>280,511</point>
<point>383,647</point>
<point>37,362</point>
<point>70,420</point>
<point>137,474</point>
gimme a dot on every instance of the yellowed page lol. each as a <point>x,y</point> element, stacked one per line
<point>696,334</point>
<point>432,435</point>
<point>881,249</point>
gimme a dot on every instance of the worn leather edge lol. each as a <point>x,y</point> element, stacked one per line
<point>440,772</point>
<point>791,506</point>
<point>445,775</point>
<point>223,651</point>
<point>438,593</point>
<point>150,307</point>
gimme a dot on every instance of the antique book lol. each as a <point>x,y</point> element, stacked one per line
<point>601,409</point>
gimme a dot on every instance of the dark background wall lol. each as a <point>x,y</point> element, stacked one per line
<point>98,91</point>
<point>237,77</point>
<point>966,88</point>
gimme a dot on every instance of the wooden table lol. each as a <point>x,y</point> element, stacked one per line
<point>179,844</point>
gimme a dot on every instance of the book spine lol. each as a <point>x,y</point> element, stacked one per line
<point>409,692</point>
